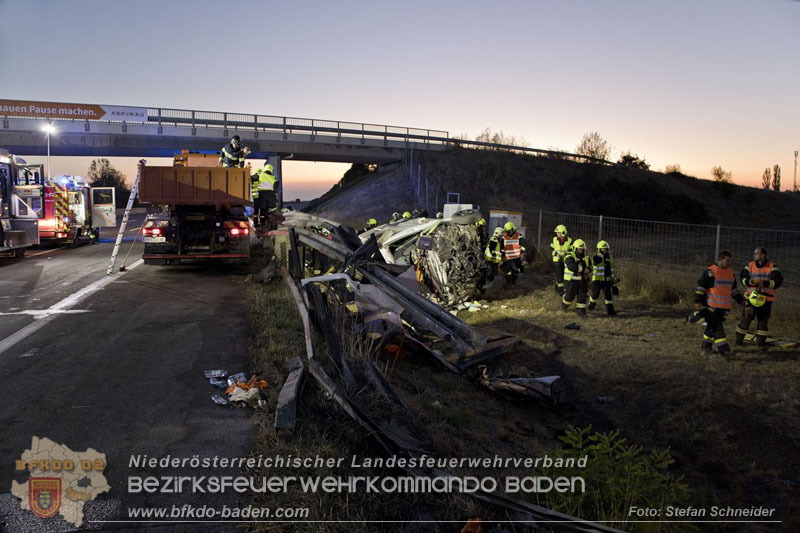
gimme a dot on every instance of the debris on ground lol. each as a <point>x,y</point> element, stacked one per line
<point>547,388</point>
<point>238,389</point>
<point>572,325</point>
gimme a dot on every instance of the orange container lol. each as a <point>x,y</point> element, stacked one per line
<point>194,185</point>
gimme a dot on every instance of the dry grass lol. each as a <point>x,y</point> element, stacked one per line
<point>731,425</point>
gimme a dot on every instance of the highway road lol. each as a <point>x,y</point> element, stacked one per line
<point>116,363</point>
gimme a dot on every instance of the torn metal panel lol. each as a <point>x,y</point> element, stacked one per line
<point>382,385</point>
<point>544,388</point>
<point>491,349</point>
<point>285,412</point>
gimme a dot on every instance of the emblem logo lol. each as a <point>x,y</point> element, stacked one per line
<point>44,495</point>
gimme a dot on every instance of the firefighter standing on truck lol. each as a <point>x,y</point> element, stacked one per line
<point>604,279</point>
<point>713,299</point>
<point>576,277</point>
<point>512,245</point>
<point>760,278</point>
<point>561,245</point>
<point>233,154</point>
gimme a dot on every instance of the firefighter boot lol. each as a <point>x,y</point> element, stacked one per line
<point>610,310</point>
<point>708,343</point>
<point>564,306</point>
<point>761,339</point>
<point>739,339</point>
<point>724,349</point>
<point>592,305</point>
<point>581,312</point>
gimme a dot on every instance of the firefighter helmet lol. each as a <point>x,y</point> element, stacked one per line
<point>601,245</point>
<point>561,229</point>
<point>481,222</point>
<point>509,226</point>
<point>497,231</point>
<point>269,168</point>
<point>757,298</point>
<point>579,244</point>
<point>372,223</point>
<point>406,215</point>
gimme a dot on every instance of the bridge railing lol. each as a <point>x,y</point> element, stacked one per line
<point>290,125</point>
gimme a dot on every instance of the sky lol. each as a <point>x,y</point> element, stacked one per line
<point>694,83</point>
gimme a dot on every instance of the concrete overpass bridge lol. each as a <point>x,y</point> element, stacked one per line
<point>107,131</point>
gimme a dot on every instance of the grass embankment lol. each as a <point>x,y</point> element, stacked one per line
<point>730,424</point>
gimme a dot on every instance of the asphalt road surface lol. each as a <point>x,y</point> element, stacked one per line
<point>116,363</point>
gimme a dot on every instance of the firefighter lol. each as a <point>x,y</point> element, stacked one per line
<point>371,223</point>
<point>262,185</point>
<point>604,279</point>
<point>494,253</point>
<point>512,245</point>
<point>760,278</point>
<point>561,245</point>
<point>406,215</point>
<point>713,299</point>
<point>233,154</point>
<point>576,277</point>
<point>395,217</point>
<point>439,214</point>
<point>483,232</point>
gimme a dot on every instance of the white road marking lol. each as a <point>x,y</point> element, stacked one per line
<point>59,308</point>
<point>46,252</point>
<point>41,313</point>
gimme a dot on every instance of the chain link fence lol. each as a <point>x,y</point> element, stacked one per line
<point>669,244</point>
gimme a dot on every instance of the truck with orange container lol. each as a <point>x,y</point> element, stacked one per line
<point>196,211</point>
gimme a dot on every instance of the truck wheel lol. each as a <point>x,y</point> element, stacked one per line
<point>467,216</point>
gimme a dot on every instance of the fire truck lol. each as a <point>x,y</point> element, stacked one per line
<point>20,204</point>
<point>74,212</point>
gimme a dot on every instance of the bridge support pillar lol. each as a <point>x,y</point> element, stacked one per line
<point>275,161</point>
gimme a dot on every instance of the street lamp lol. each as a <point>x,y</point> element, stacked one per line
<point>48,129</point>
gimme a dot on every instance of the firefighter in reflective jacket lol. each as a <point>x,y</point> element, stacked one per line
<point>603,279</point>
<point>233,154</point>
<point>713,299</point>
<point>759,278</point>
<point>561,245</point>
<point>493,253</point>
<point>512,245</point>
<point>262,187</point>
<point>576,277</point>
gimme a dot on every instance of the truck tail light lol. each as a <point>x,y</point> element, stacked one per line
<point>153,231</point>
<point>237,229</point>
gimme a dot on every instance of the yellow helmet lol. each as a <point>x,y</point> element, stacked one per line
<point>601,245</point>
<point>509,226</point>
<point>579,244</point>
<point>372,223</point>
<point>561,229</point>
<point>497,231</point>
<point>481,222</point>
<point>406,215</point>
<point>757,298</point>
<point>269,168</point>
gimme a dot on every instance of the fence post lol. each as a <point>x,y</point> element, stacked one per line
<point>426,193</point>
<point>716,244</point>
<point>600,229</point>
<point>539,235</point>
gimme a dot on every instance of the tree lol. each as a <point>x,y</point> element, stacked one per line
<point>353,173</point>
<point>766,178</point>
<point>776,178</point>
<point>672,169</point>
<point>103,174</point>
<point>593,145</point>
<point>499,137</point>
<point>721,175</point>
<point>632,160</point>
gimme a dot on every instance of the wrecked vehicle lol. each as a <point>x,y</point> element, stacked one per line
<point>445,256</point>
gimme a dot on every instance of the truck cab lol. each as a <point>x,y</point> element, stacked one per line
<point>21,204</point>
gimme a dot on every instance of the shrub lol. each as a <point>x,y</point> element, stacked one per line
<point>617,477</point>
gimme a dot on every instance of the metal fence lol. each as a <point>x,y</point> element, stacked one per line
<point>665,244</point>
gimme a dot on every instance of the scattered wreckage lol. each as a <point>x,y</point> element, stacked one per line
<point>369,311</point>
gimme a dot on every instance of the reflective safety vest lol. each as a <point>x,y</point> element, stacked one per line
<point>560,250</point>
<point>599,270</point>
<point>581,263</point>
<point>230,157</point>
<point>761,274</point>
<point>493,253</point>
<point>511,246</point>
<point>720,295</point>
<point>264,181</point>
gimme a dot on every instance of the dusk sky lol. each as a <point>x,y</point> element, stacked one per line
<point>697,83</point>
